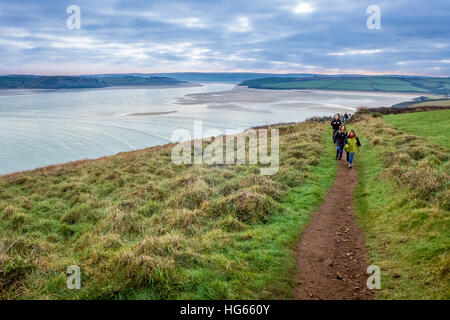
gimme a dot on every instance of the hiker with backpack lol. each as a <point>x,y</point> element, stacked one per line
<point>339,140</point>
<point>335,124</point>
<point>352,144</point>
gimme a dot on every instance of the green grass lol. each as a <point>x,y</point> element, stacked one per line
<point>436,103</point>
<point>402,203</point>
<point>434,125</point>
<point>141,227</point>
<point>438,86</point>
<point>399,88</point>
<point>362,85</point>
<point>318,84</point>
<point>387,81</point>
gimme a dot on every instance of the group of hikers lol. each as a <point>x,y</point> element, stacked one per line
<point>343,140</point>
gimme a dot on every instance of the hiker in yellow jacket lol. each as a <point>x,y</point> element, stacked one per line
<point>351,145</point>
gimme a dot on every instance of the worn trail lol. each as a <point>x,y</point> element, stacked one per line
<point>331,253</point>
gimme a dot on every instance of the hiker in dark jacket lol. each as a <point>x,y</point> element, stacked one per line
<point>339,140</point>
<point>335,124</point>
<point>345,117</point>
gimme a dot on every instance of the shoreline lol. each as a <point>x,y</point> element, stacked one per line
<point>80,162</point>
<point>86,161</point>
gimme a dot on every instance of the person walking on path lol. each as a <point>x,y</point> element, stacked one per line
<point>339,140</point>
<point>335,124</point>
<point>345,117</point>
<point>352,144</point>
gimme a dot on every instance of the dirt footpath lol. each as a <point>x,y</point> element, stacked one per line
<point>331,253</point>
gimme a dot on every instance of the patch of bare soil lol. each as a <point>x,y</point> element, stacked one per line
<point>331,253</point>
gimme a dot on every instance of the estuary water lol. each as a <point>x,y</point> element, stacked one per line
<point>45,127</point>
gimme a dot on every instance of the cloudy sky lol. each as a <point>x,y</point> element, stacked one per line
<point>323,36</point>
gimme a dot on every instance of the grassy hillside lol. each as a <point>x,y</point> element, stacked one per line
<point>139,226</point>
<point>434,125</point>
<point>394,84</point>
<point>403,203</point>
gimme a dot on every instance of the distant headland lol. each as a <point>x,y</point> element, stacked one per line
<point>84,82</point>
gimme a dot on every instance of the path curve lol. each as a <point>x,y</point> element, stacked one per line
<point>331,253</point>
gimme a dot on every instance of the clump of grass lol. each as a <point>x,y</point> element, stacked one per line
<point>246,206</point>
<point>230,223</point>
<point>118,221</point>
<point>7,212</point>
<point>193,195</point>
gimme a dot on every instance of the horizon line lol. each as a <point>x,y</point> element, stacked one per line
<point>223,72</point>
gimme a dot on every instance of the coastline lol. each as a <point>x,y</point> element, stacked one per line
<point>82,162</point>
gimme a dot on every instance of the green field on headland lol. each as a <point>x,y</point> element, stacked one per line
<point>358,83</point>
